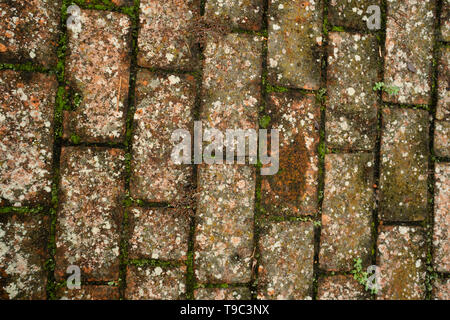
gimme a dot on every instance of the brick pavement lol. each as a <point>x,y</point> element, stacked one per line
<point>87,178</point>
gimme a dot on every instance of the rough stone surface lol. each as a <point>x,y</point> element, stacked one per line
<point>158,233</point>
<point>29,31</point>
<point>164,104</point>
<point>350,13</point>
<point>98,70</point>
<point>409,50</point>
<point>295,43</point>
<point>401,258</point>
<point>224,231</point>
<point>351,114</point>
<point>155,283</point>
<point>243,14</point>
<point>23,252</point>
<point>26,137</point>
<point>89,292</point>
<point>293,190</point>
<point>286,261</point>
<point>441,138</point>
<point>165,38</point>
<point>441,289</point>
<point>89,217</point>
<point>341,288</point>
<point>347,211</point>
<point>443,103</point>
<point>232,82</point>
<point>445,20</point>
<point>404,165</point>
<point>441,239</point>
<point>222,294</point>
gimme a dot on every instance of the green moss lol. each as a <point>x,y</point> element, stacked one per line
<point>75,139</point>
<point>264,121</point>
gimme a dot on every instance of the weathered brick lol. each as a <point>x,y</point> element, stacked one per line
<point>165,37</point>
<point>164,104</point>
<point>443,102</point>
<point>347,211</point>
<point>98,70</point>
<point>445,20</point>
<point>404,165</point>
<point>351,113</point>
<point>232,82</point>
<point>29,31</point>
<point>350,13</point>
<point>441,240</point>
<point>401,258</point>
<point>295,43</point>
<point>89,292</point>
<point>409,50</point>
<point>293,190</point>
<point>441,289</point>
<point>238,293</point>
<point>23,252</point>
<point>89,217</point>
<point>116,2</point>
<point>158,233</point>
<point>341,287</point>
<point>441,138</point>
<point>155,283</point>
<point>246,14</point>
<point>224,231</point>
<point>286,260</point>
<point>26,137</point>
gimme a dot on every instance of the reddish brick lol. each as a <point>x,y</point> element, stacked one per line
<point>441,240</point>
<point>341,288</point>
<point>246,14</point>
<point>98,69</point>
<point>232,82</point>
<point>158,233</point>
<point>404,165</point>
<point>295,43</point>
<point>350,13</point>
<point>232,293</point>
<point>293,190</point>
<point>23,252</point>
<point>89,217</point>
<point>29,31</point>
<point>164,104</point>
<point>26,137</point>
<point>89,292</point>
<point>401,258</point>
<point>347,211</point>
<point>155,283</point>
<point>409,50</point>
<point>286,263</point>
<point>224,232</point>
<point>441,289</point>
<point>165,38</point>
<point>351,113</point>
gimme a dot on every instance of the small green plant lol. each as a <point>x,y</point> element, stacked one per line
<point>75,139</point>
<point>264,121</point>
<point>390,90</point>
<point>362,276</point>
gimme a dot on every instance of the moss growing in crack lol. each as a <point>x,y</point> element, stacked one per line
<point>389,89</point>
<point>264,121</point>
<point>75,139</point>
